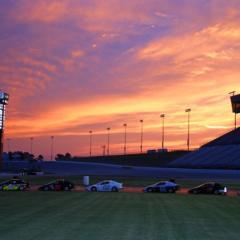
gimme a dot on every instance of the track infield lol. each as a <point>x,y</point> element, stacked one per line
<point>90,216</point>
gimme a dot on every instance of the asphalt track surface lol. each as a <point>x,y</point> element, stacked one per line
<point>71,168</point>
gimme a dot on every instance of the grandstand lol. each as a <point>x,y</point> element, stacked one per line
<point>222,152</point>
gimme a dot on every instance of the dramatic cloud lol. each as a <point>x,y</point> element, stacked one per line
<point>74,66</point>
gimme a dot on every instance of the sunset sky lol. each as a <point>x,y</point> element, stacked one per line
<point>73,66</point>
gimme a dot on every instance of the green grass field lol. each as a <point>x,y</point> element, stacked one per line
<point>113,216</point>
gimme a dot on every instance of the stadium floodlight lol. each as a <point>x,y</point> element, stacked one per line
<point>4,98</point>
<point>188,110</point>
<point>235,101</point>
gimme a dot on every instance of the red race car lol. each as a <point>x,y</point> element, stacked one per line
<point>58,185</point>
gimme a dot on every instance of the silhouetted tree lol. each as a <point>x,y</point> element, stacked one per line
<point>68,156</point>
<point>40,157</point>
<point>59,156</point>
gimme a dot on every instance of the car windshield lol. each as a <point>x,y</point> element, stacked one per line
<point>205,185</point>
<point>105,182</point>
<point>6,182</point>
<point>160,183</point>
<point>51,182</point>
<point>19,181</point>
<point>218,185</point>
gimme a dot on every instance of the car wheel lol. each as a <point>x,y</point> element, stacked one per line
<point>171,190</point>
<point>149,189</point>
<point>114,189</point>
<point>66,188</point>
<point>195,192</point>
<point>216,192</point>
<point>1,188</point>
<point>21,188</point>
<point>46,189</point>
<point>93,189</point>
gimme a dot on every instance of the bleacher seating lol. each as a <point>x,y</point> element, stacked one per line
<point>223,152</point>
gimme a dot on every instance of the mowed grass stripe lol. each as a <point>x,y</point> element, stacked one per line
<point>74,215</point>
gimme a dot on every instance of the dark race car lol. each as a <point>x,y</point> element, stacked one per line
<point>209,188</point>
<point>58,185</point>
<point>15,184</point>
<point>163,187</point>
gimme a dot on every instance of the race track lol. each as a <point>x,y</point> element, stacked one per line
<point>70,168</point>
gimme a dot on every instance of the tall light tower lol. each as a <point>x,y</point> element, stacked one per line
<point>125,139</point>
<point>104,149</point>
<point>163,132</point>
<point>52,147</point>
<point>108,140</point>
<point>4,97</point>
<point>235,99</point>
<point>188,110</point>
<point>90,143</point>
<point>141,136</point>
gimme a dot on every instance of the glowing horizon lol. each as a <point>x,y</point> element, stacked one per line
<point>74,66</point>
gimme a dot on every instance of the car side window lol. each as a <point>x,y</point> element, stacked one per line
<point>103,183</point>
<point>161,183</point>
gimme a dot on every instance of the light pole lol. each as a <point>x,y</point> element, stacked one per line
<point>125,138</point>
<point>163,132</point>
<point>90,143</point>
<point>31,145</point>
<point>188,110</point>
<point>4,97</point>
<point>141,136</point>
<point>108,140</point>
<point>235,113</point>
<point>52,142</point>
<point>104,149</point>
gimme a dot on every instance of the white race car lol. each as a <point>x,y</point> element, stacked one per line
<point>105,186</point>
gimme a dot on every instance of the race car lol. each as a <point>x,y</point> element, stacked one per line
<point>105,186</point>
<point>58,185</point>
<point>15,184</point>
<point>209,188</point>
<point>162,187</point>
